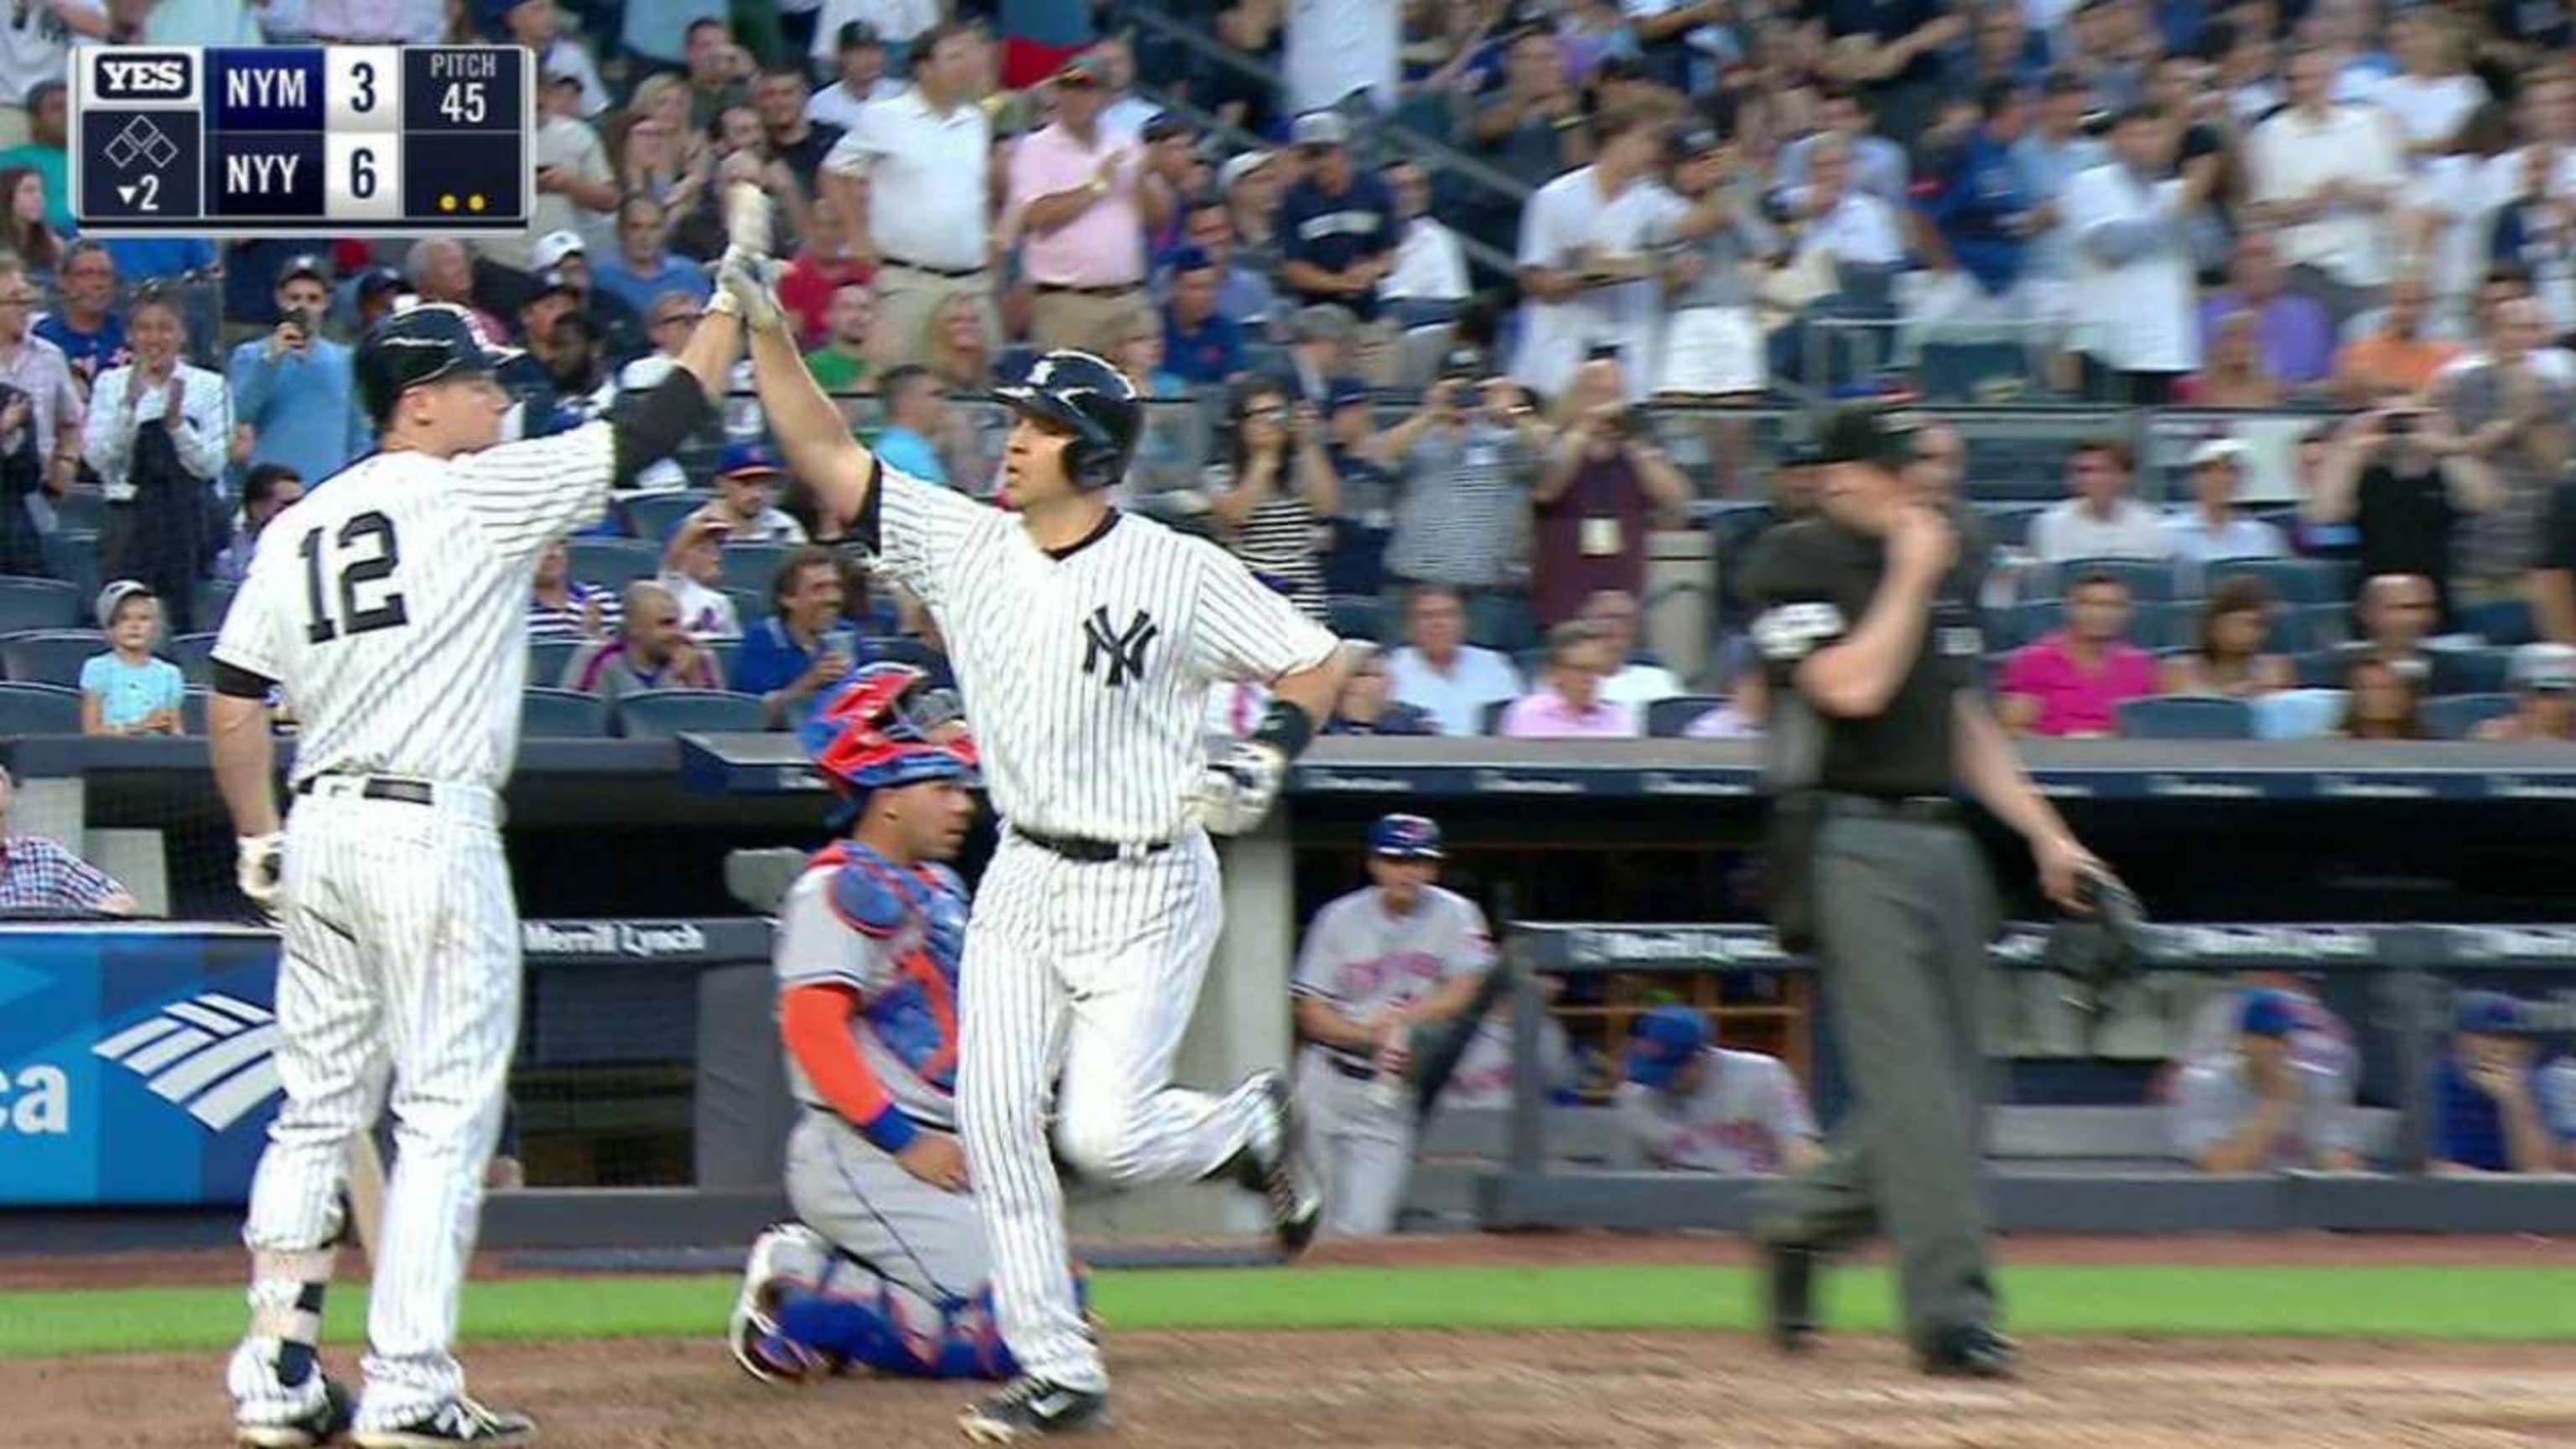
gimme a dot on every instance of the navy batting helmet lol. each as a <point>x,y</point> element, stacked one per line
<point>426,343</point>
<point>1089,398</point>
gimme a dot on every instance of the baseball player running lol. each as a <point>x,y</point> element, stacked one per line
<point>886,1264</point>
<point>1377,963</point>
<point>1693,1105</point>
<point>391,607</point>
<point>1086,639</point>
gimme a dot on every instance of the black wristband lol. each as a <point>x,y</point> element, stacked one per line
<point>1286,728</point>
<point>668,416</point>
<point>235,682</point>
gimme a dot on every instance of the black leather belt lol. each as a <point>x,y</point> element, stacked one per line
<point>377,787</point>
<point>1353,1070</point>
<point>952,273</point>
<point>1122,289</point>
<point>1913,809</point>
<point>1087,852</point>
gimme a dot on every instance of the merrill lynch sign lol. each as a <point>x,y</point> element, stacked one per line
<point>643,940</point>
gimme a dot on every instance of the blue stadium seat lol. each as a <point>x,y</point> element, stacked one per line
<point>2293,580</point>
<point>653,517</point>
<point>213,602</point>
<point>27,603</point>
<point>2328,623</point>
<point>2321,669</point>
<point>749,605</point>
<point>2164,625</point>
<point>2457,716</point>
<point>2010,522</point>
<point>902,649</point>
<point>753,565</point>
<point>664,714</point>
<point>613,563</point>
<point>2037,619</point>
<point>562,714</point>
<point>1984,372</point>
<point>2149,580</point>
<point>195,656</point>
<point>547,660</point>
<point>1358,616</point>
<point>38,709</point>
<point>1667,718</point>
<point>726,651</point>
<point>50,656</point>
<point>192,711</point>
<point>2471,671</point>
<point>1489,721</point>
<point>80,511</point>
<point>2187,717</point>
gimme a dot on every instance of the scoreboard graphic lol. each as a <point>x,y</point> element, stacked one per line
<point>277,141</point>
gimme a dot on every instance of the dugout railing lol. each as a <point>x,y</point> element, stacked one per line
<point>2411,968</point>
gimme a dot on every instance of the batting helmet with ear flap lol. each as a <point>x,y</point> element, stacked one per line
<point>1090,399</point>
<point>421,344</point>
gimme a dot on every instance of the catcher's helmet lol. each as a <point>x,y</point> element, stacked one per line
<point>1078,391</point>
<point>425,343</point>
<point>882,727</point>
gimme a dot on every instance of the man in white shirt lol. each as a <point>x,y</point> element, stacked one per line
<point>1636,681</point>
<point>2135,298</point>
<point>1443,675</point>
<point>1848,224</point>
<point>2213,527</point>
<point>2330,176</point>
<point>1336,47</point>
<point>35,47</point>
<point>576,187</point>
<point>2101,520</point>
<point>1877,164</point>
<point>927,156</point>
<point>863,79</point>
<point>1589,274</point>
<point>1430,267</point>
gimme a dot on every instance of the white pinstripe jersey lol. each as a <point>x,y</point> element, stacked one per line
<point>1086,675</point>
<point>392,605</point>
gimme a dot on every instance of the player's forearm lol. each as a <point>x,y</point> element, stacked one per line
<point>1323,1022</point>
<point>713,347</point>
<point>245,761</point>
<point>1312,691</point>
<point>809,426</point>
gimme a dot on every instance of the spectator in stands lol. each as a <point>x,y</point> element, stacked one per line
<point>2101,520</point>
<point>746,498</point>
<point>861,56</point>
<point>1636,678</point>
<point>643,271</point>
<point>1746,710</point>
<point>2072,683</point>
<point>565,255</point>
<point>1363,529</point>
<point>2327,175</point>
<point>714,73</point>
<point>538,26</point>
<point>2517,421</point>
<point>576,183</point>
<point>1235,96</point>
<point>916,409</point>
<point>1428,277</point>
<point>961,347</point>
<point>2486,1095</point>
<point>1335,49</point>
<point>268,489</point>
<point>804,647</point>
<point>2228,657</point>
<point>372,295</point>
<point>1465,497</point>
<point>1606,485</point>
<point>2214,527</point>
<point>35,370</point>
<point>2133,266</point>
<point>2233,374</point>
<point>1438,672</point>
<point>1320,351</point>
<point>1531,126</point>
<point>1571,706</point>
<point>832,260</point>
<point>2405,480</point>
<point>128,691</point>
<point>1690,1105</point>
<point>929,154</point>
<point>1201,345</point>
<point>790,134</point>
<point>739,152</point>
<point>441,270</point>
<point>651,651</point>
<point>1080,201</point>
<point>692,570</point>
<point>2544,689</point>
<point>561,607</point>
<point>1244,295</point>
<point>1713,344</point>
<point>662,156</point>
<point>1277,493</point>
<point>2259,1108</point>
<point>1338,229</point>
<point>38,875</point>
<point>2397,613</point>
<point>294,394</point>
<point>36,129</point>
<point>1368,705</point>
<point>24,231</point>
<point>2385,702</point>
<point>841,363</point>
<point>2436,93</point>
<point>1253,184</point>
<point>1589,270</point>
<point>1873,165</point>
<point>156,434</point>
<point>2396,357</point>
<point>87,327</point>
<point>2294,335</point>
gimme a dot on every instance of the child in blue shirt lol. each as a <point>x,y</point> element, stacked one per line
<point>127,691</point>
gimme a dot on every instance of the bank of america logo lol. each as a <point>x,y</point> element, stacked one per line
<point>215,1056</point>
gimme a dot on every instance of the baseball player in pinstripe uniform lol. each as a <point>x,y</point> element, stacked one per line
<point>886,1265</point>
<point>391,608</point>
<point>1085,641</point>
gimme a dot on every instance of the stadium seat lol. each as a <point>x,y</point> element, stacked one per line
<point>652,517</point>
<point>38,709</point>
<point>2010,522</point>
<point>749,605</point>
<point>2293,580</point>
<point>613,563</point>
<point>725,652</point>
<point>2149,580</point>
<point>213,602</point>
<point>665,714</point>
<point>2186,717</point>
<point>2457,716</point>
<point>2036,620</point>
<point>27,603</point>
<point>1490,720</point>
<point>50,656</point>
<point>902,649</point>
<point>80,511</point>
<point>195,656</point>
<point>753,565</point>
<point>1980,372</point>
<point>1667,718</point>
<point>562,714</point>
<point>1358,616</point>
<point>192,711</point>
<point>2155,626</point>
<point>547,660</point>
<point>2328,624</point>
<point>2471,671</point>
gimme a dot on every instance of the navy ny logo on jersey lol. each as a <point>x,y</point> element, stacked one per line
<point>1120,652</point>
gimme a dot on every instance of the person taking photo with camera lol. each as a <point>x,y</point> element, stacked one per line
<point>293,401</point>
<point>1606,484</point>
<point>1276,497</point>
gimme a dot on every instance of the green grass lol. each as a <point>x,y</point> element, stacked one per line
<point>2491,1303</point>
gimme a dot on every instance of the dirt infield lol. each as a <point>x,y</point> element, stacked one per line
<point>1382,1391</point>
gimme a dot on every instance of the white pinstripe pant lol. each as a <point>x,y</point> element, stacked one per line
<point>402,957</point>
<point>1080,979</point>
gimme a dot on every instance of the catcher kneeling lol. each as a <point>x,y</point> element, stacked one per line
<point>886,1266</point>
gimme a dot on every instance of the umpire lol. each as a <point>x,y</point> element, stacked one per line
<point>1867,624</point>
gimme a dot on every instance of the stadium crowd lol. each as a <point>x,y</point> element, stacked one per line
<point>1430,298</point>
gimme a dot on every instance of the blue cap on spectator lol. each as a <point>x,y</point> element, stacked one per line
<point>1191,259</point>
<point>1344,392</point>
<point>1406,837</point>
<point>2488,1012</point>
<point>749,457</point>
<point>1664,1042</point>
<point>2268,1013</point>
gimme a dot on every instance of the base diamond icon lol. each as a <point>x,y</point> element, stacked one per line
<point>141,138</point>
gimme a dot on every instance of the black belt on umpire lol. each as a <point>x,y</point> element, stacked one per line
<point>1908,809</point>
<point>1115,289</point>
<point>954,274</point>
<point>376,787</point>
<point>1356,1071</point>
<point>1087,852</point>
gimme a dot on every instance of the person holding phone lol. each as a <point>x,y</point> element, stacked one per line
<point>1468,459</point>
<point>1278,494</point>
<point>293,390</point>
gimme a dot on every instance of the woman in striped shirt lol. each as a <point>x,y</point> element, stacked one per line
<point>1278,496</point>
